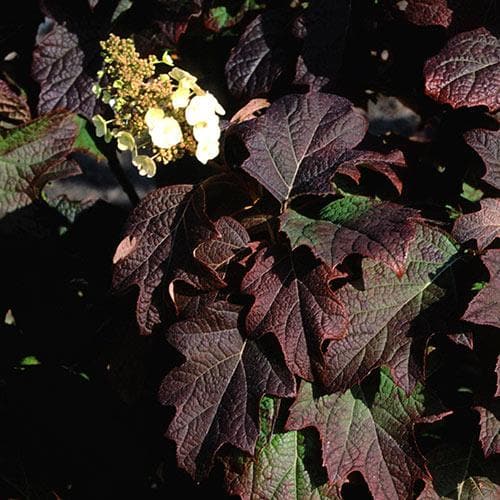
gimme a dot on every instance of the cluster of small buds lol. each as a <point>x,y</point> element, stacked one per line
<point>158,117</point>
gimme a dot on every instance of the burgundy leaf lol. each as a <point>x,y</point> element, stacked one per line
<point>390,317</point>
<point>232,240</point>
<point>161,235</point>
<point>486,143</point>
<point>13,107</point>
<point>217,390</point>
<point>33,154</point>
<point>483,226</point>
<point>60,68</point>
<point>369,430</point>
<point>466,72</point>
<point>295,147</point>
<point>294,302</point>
<point>484,308</point>
<point>355,225</point>
<point>384,164</point>
<point>325,26</point>
<point>426,12</point>
<point>261,55</point>
<point>489,434</point>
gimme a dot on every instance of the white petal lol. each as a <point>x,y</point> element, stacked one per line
<point>207,151</point>
<point>166,133</point>
<point>153,116</point>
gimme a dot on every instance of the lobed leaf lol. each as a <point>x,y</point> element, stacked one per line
<point>282,466</point>
<point>294,302</point>
<point>33,154</point>
<point>486,143</point>
<point>217,390</point>
<point>466,72</point>
<point>355,225</point>
<point>483,226</point>
<point>390,316</point>
<point>297,145</point>
<point>60,67</point>
<point>367,429</point>
<point>484,309</point>
<point>381,163</point>
<point>160,238</point>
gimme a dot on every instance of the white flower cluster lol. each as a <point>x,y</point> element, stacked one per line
<point>201,112</point>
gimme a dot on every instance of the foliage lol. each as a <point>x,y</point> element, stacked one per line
<point>310,314</point>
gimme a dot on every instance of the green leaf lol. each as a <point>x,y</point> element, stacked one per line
<point>283,465</point>
<point>84,141</point>
<point>29,361</point>
<point>33,154</point>
<point>470,193</point>
<point>370,429</point>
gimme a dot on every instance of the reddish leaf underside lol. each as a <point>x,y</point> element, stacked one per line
<point>426,12</point>
<point>489,433</point>
<point>355,225</point>
<point>294,302</point>
<point>384,164</point>
<point>217,390</point>
<point>484,309</point>
<point>366,432</point>
<point>486,143</point>
<point>13,106</point>
<point>390,317</point>
<point>466,72</point>
<point>297,145</point>
<point>165,228</point>
<point>33,154</point>
<point>483,226</point>
<point>497,371</point>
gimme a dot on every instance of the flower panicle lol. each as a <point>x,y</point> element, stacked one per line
<point>157,116</point>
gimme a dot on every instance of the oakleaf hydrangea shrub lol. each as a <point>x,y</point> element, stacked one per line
<point>300,300</point>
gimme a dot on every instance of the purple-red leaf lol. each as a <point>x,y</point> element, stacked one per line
<point>497,371</point>
<point>232,240</point>
<point>426,12</point>
<point>380,230</point>
<point>483,226</point>
<point>369,430</point>
<point>13,106</point>
<point>217,390</point>
<point>466,72</point>
<point>296,146</point>
<point>33,154</point>
<point>383,164</point>
<point>486,143</point>
<point>484,309</point>
<point>61,69</point>
<point>260,56</point>
<point>294,302</point>
<point>388,317</point>
<point>162,233</point>
<point>489,433</point>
